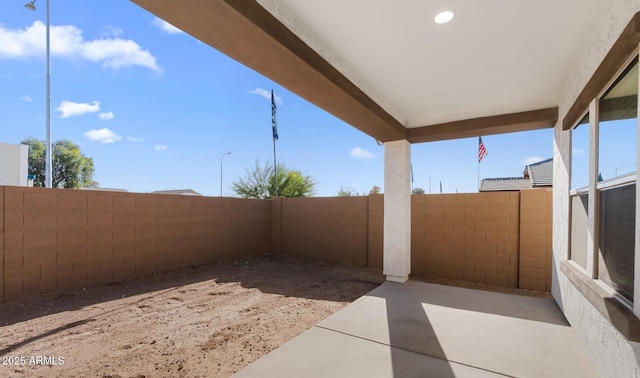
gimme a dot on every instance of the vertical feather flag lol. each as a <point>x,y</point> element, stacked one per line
<point>411,166</point>
<point>482,151</point>
<point>274,123</point>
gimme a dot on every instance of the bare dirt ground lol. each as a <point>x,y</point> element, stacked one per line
<point>209,321</point>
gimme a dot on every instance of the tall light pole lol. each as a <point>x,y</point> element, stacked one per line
<point>47,163</point>
<point>429,177</point>
<point>221,157</point>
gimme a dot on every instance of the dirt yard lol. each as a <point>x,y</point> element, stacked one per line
<point>209,321</point>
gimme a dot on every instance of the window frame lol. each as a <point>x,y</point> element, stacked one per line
<point>594,188</point>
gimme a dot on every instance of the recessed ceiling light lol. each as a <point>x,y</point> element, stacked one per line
<point>444,16</point>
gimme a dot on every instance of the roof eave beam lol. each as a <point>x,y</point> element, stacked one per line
<point>499,124</point>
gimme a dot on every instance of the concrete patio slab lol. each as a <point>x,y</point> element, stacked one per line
<point>320,352</point>
<point>421,329</point>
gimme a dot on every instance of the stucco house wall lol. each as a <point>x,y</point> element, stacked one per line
<point>613,354</point>
<point>14,164</point>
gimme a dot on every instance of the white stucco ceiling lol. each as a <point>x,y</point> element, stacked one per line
<point>495,57</point>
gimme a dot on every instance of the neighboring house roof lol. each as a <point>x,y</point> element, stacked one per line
<point>504,183</point>
<point>535,175</point>
<point>104,189</point>
<point>540,173</point>
<point>184,192</point>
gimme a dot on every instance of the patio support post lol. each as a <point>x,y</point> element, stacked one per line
<point>397,211</point>
<point>561,204</point>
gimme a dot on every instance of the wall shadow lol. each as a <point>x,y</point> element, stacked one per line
<point>422,319</point>
<point>411,337</point>
<point>490,302</point>
<point>274,273</point>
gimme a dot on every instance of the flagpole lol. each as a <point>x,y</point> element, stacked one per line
<point>275,166</point>
<point>482,153</point>
<point>274,129</point>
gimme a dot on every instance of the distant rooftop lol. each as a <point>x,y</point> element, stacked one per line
<point>105,189</point>
<point>535,175</point>
<point>540,173</point>
<point>183,192</point>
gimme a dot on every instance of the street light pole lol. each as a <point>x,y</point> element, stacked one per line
<point>221,157</point>
<point>429,177</point>
<point>47,164</point>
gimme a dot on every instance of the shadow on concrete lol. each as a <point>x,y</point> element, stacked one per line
<point>408,322</point>
<point>494,303</point>
<point>459,329</point>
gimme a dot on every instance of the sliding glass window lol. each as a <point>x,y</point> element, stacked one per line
<point>579,194</point>
<point>616,194</point>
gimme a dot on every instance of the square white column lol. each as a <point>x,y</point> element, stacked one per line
<point>561,203</point>
<point>397,211</point>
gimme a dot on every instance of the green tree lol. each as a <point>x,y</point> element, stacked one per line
<point>417,191</point>
<point>260,183</point>
<point>36,159</point>
<point>347,192</point>
<point>375,190</point>
<point>71,168</point>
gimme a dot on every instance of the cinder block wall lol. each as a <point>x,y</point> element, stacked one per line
<point>63,238</point>
<point>376,230</point>
<point>2,244</point>
<point>498,238</point>
<point>472,237</point>
<point>331,228</point>
<point>536,217</point>
<point>56,238</point>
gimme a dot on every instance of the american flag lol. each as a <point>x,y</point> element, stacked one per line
<point>482,152</point>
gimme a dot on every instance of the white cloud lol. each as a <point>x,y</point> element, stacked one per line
<point>577,151</point>
<point>103,136</point>
<point>26,98</point>
<point>112,31</point>
<point>361,153</point>
<point>69,109</point>
<point>166,27</point>
<point>531,160</point>
<point>106,116</point>
<point>134,139</point>
<point>267,94</point>
<point>67,42</point>
<point>160,147</point>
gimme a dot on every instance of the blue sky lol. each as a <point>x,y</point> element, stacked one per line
<point>156,109</point>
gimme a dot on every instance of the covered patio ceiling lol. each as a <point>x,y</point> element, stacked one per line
<point>389,70</point>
